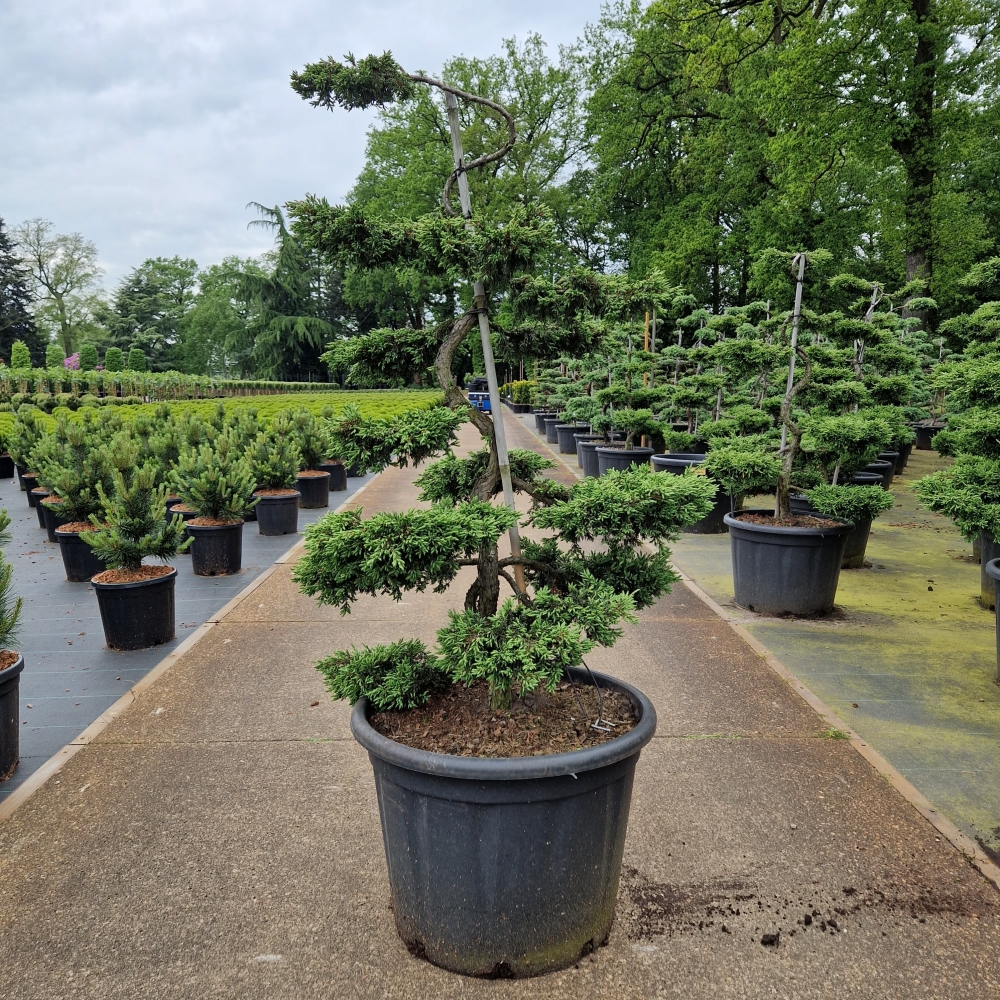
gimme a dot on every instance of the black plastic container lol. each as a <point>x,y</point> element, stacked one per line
<point>892,457</point>
<point>505,867</point>
<point>587,452</point>
<point>988,551</point>
<point>550,428</point>
<point>10,723</point>
<point>801,504</point>
<point>577,439</point>
<point>925,434</point>
<point>609,458</point>
<point>278,515</point>
<point>904,457</point>
<point>30,480</point>
<point>565,438</point>
<point>883,469</point>
<point>338,475</point>
<point>786,571</point>
<point>187,515</point>
<point>137,615</point>
<point>78,557</point>
<point>356,472</point>
<point>314,491</point>
<point>540,417</point>
<point>675,462</point>
<point>53,519</point>
<point>6,467</point>
<point>217,549</point>
<point>37,494</point>
<point>20,471</point>
<point>857,543</point>
<point>866,479</point>
<point>993,572</point>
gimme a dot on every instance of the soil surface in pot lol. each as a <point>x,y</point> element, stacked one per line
<point>132,575</point>
<point>795,521</point>
<point>178,507</point>
<point>459,721</point>
<point>274,493</point>
<point>76,527</point>
<point>8,658</point>
<point>213,522</point>
<point>310,474</point>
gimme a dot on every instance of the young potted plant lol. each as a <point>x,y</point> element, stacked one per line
<point>858,504</point>
<point>313,439</point>
<point>136,599</point>
<point>504,849</point>
<point>740,469</point>
<point>274,462</point>
<point>216,482</point>
<point>11,663</point>
<point>25,435</point>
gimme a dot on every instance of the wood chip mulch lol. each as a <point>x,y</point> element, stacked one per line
<point>459,721</point>
<point>132,576</point>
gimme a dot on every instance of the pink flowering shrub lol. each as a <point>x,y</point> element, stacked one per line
<point>73,362</point>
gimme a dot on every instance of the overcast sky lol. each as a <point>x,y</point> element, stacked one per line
<point>147,125</point>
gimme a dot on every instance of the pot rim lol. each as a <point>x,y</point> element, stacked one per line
<point>71,534</point>
<point>512,768</point>
<point>695,458</point>
<point>293,495</point>
<point>9,673</point>
<point>620,449</point>
<point>838,526</point>
<point>993,569</point>
<point>136,584</point>
<point>312,474</point>
<point>207,529</point>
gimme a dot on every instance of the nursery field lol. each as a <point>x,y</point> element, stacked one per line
<point>371,403</point>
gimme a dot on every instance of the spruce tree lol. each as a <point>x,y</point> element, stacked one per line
<point>16,321</point>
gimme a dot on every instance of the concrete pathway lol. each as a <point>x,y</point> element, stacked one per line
<point>221,837</point>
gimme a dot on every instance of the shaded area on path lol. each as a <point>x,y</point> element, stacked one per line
<point>70,676</point>
<point>221,838</point>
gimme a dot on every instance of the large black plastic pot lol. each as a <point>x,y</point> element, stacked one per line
<point>714,522</point>
<point>857,542</point>
<point>866,479</point>
<point>786,571</point>
<point>550,429</point>
<point>675,462</point>
<point>566,437</point>
<point>883,469</point>
<point>892,457</point>
<point>988,551</point>
<point>278,515</point>
<point>338,475</point>
<point>20,470</point>
<point>314,491</point>
<point>35,497</point>
<point>217,549</point>
<point>579,439</point>
<point>10,724</point>
<point>6,467</point>
<point>30,480</point>
<point>925,434</point>
<point>540,417</point>
<point>78,557</point>
<point>801,504</point>
<point>587,452</point>
<point>610,457</point>
<point>187,515</point>
<point>993,572</point>
<point>53,519</point>
<point>137,615</point>
<point>904,457</point>
<point>505,867</point>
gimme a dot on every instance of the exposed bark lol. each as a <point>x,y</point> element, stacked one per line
<point>783,494</point>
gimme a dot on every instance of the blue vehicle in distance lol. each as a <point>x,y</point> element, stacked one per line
<point>478,391</point>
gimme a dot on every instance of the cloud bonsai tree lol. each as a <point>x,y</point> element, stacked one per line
<point>576,595</point>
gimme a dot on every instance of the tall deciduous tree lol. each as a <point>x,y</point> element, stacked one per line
<point>65,275</point>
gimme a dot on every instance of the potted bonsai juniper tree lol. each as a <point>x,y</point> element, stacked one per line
<point>215,480</point>
<point>136,599</point>
<point>504,841</point>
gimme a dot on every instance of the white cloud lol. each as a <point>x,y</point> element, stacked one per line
<point>148,126</point>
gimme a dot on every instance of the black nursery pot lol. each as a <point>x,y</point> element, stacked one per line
<point>892,457</point>
<point>993,572</point>
<point>217,549</point>
<point>29,481</point>
<point>925,434</point>
<point>675,462</point>
<point>35,497</point>
<point>714,522</point>
<point>278,515</point>
<point>20,470</point>
<point>857,543</point>
<point>566,437</point>
<point>338,475</point>
<point>314,490</point>
<point>137,615</point>
<point>988,551</point>
<point>866,479</point>
<point>505,867</point>
<point>540,417</point>
<point>10,724</point>
<point>904,457</point>
<point>883,469</point>
<point>6,467</point>
<point>587,452</point>
<point>187,515</point>
<point>53,519</point>
<point>621,458</point>
<point>579,439</point>
<point>786,571</point>
<point>550,428</point>
<point>78,557</point>
<point>801,504</point>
